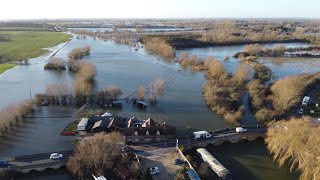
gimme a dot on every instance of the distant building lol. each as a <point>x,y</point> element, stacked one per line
<point>147,131</point>
<point>134,129</point>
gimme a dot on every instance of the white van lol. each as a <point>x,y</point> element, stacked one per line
<point>201,135</point>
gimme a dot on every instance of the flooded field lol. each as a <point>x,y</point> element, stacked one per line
<point>182,104</point>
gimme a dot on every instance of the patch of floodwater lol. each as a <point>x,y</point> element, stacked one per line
<point>38,135</point>
<point>292,67</point>
<point>182,103</point>
<point>24,80</point>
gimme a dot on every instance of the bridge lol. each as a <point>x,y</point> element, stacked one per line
<point>230,136</point>
<point>40,162</point>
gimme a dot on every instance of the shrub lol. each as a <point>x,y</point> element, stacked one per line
<point>87,71</point>
<point>159,46</point>
<point>135,169</point>
<point>216,69</point>
<point>11,114</point>
<point>110,93</point>
<point>156,89</point>
<point>265,115</point>
<point>73,65</point>
<point>81,88</point>
<point>242,74</point>
<point>78,53</point>
<point>55,63</point>
<point>141,93</point>
<point>253,49</point>
<point>278,49</point>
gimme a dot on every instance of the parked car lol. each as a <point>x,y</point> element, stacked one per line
<point>3,164</point>
<point>69,133</point>
<point>154,170</point>
<point>56,156</point>
<point>178,161</point>
<point>300,111</point>
<point>241,130</point>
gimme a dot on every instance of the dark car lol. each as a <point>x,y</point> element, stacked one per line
<point>179,161</point>
<point>3,164</point>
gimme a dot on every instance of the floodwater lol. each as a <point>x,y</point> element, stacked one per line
<point>250,161</point>
<point>181,105</point>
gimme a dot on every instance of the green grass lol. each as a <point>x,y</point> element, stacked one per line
<point>72,126</point>
<point>19,28</point>
<point>22,45</point>
<point>4,67</point>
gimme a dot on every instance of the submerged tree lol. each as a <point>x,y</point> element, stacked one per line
<point>156,89</point>
<point>141,93</point>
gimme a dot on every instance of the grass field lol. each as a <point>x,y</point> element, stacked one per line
<point>4,67</point>
<point>20,45</point>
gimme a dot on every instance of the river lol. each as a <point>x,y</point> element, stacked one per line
<point>182,104</point>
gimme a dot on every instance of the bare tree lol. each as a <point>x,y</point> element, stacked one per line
<point>297,142</point>
<point>278,49</point>
<point>141,93</point>
<point>242,74</point>
<point>156,89</point>
<point>95,154</point>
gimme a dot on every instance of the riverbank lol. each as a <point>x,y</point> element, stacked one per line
<point>5,67</point>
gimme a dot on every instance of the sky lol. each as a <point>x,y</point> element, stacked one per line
<point>53,9</point>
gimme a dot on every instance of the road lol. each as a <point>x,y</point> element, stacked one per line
<point>38,161</point>
<point>149,149</point>
<point>312,95</point>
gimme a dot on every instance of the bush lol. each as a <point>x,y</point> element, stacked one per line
<point>87,71</point>
<point>135,169</point>
<point>253,49</point>
<point>11,114</point>
<point>181,174</point>
<point>159,46</point>
<point>73,65</point>
<point>78,53</point>
<point>110,93</point>
<point>242,74</point>
<point>279,49</point>
<point>141,93</point>
<point>55,64</point>
<point>265,115</point>
<point>81,88</point>
<point>215,68</point>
